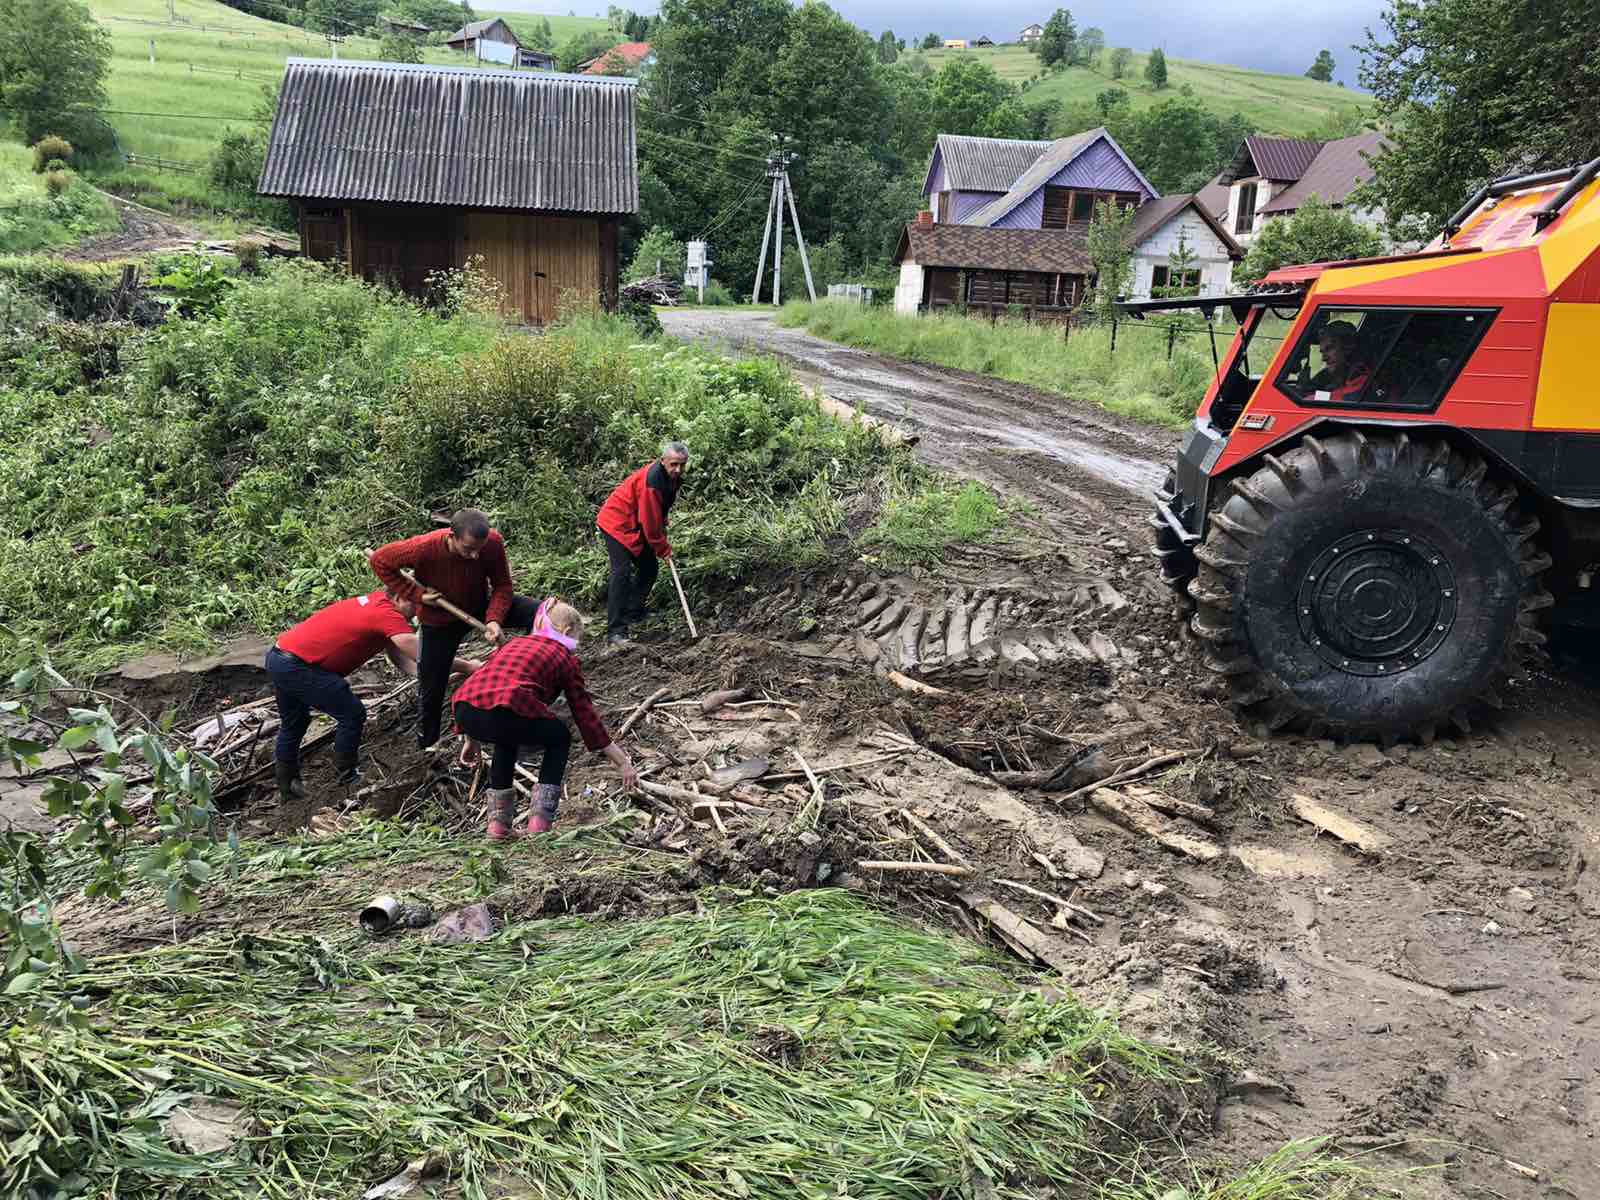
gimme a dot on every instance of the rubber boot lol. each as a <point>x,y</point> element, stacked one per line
<point>288,777</point>
<point>545,805</point>
<point>347,771</point>
<point>502,813</point>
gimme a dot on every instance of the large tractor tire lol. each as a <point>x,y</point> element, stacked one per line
<point>1368,586</point>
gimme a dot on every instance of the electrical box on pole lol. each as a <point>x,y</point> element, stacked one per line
<point>697,266</point>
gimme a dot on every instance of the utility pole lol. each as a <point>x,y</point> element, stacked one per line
<point>782,191</point>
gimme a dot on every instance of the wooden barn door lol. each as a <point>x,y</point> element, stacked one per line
<point>537,258</point>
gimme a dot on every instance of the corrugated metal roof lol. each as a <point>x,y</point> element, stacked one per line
<point>1333,174</point>
<point>980,164</point>
<point>1280,159</point>
<point>456,136</point>
<point>1152,215</point>
<point>1061,152</point>
<point>980,248</point>
<point>476,29</point>
<point>1214,198</point>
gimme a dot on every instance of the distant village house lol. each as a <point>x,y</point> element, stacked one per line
<point>466,38</point>
<point>629,58</point>
<point>1030,34</point>
<point>983,39</point>
<point>955,43</point>
<point>1007,223</point>
<point>1271,177</point>
<point>399,172</point>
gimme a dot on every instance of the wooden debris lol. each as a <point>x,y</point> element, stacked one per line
<point>1018,932</point>
<point>725,779</point>
<point>1346,829</point>
<point>816,786</point>
<point>644,706</point>
<point>1144,768</point>
<point>1082,770</point>
<point>913,867</point>
<point>1160,801</point>
<point>1068,905</point>
<point>716,700</point>
<point>916,687</point>
<point>1525,1172</point>
<point>927,831</point>
<point>1136,815</point>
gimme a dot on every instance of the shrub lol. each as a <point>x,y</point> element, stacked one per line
<point>235,164</point>
<point>718,293</point>
<point>57,164</point>
<point>249,255</point>
<point>47,150</point>
<point>57,182</point>
<point>641,313</point>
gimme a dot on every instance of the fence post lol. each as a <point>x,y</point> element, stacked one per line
<point>1113,333</point>
<point>1172,337</point>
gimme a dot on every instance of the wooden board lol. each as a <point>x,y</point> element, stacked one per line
<point>1346,829</point>
<point>537,258</point>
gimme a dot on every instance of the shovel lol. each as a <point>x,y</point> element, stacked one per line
<point>682,599</point>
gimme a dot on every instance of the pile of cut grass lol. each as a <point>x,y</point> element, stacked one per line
<point>1135,379</point>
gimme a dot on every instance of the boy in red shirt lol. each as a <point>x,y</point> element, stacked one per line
<point>308,668</point>
<point>633,529</point>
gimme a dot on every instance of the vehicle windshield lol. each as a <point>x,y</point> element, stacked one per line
<point>1259,337</point>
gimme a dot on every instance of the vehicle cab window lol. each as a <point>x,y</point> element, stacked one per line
<point>1381,358</point>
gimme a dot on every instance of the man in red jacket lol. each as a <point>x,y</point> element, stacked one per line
<point>633,528</point>
<point>466,565</point>
<point>308,665</point>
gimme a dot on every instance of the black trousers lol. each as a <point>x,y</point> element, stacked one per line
<point>438,647</point>
<point>508,732</point>
<point>300,689</point>
<point>631,580</point>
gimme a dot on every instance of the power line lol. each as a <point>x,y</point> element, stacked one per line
<point>702,147</point>
<point>723,217</point>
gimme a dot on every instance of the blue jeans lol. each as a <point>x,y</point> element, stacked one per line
<point>301,688</point>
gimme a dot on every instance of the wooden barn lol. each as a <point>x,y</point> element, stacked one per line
<point>401,171</point>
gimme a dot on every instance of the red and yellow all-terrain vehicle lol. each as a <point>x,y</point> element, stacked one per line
<point>1373,508</point>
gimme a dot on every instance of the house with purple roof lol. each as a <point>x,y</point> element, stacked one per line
<point>1007,224</point>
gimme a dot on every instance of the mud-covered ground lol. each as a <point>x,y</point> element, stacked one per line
<point>1444,987</point>
<point>1434,993</point>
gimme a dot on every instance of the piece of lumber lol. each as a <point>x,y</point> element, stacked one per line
<point>1139,817</point>
<point>1041,946</point>
<point>787,776</point>
<point>1161,802</point>
<point>915,686</point>
<point>913,867</point>
<point>682,599</point>
<point>1144,768</point>
<point>1056,900</point>
<point>811,776</point>
<point>888,434</point>
<point>644,706</point>
<point>927,831</point>
<point>1347,829</point>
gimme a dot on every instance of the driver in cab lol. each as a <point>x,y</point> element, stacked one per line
<point>1343,373</point>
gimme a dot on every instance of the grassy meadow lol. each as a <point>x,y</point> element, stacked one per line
<point>1286,104</point>
<point>210,67</point>
<point>1136,379</point>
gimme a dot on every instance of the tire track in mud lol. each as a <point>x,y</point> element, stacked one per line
<point>1023,442</point>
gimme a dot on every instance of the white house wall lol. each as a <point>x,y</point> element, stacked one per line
<point>908,292</point>
<point>1210,256</point>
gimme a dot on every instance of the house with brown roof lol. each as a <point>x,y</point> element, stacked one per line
<point>1007,224</point>
<point>627,58</point>
<point>1271,177</point>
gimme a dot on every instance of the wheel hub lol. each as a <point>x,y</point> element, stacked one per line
<point>1377,602</point>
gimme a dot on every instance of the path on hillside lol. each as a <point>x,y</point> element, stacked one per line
<point>1019,440</point>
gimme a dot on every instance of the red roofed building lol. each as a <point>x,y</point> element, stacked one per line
<point>629,58</point>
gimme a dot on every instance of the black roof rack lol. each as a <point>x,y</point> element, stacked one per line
<point>1239,303</point>
<point>1577,176</point>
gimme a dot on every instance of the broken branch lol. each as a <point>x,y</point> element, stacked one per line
<point>644,706</point>
<point>1144,768</point>
<point>914,867</point>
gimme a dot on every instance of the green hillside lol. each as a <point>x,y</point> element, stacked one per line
<point>210,67</point>
<point>1285,104</point>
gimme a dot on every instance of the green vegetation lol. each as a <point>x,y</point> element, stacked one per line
<point>1316,232</point>
<point>228,468</point>
<point>1286,104</point>
<point>37,213</point>
<point>919,523</point>
<point>1136,380</point>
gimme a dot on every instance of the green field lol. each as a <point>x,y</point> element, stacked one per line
<point>210,67</point>
<point>1285,104</point>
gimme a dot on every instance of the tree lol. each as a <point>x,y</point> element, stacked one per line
<point>1317,232</point>
<point>540,36</point>
<point>1120,57</point>
<point>658,252</point>
<point>53,63</point>
<point>888,47</point>
<point>932,41</point>
<point>1181,263</point>
<point>703,45</point>
<point>1091,43</point>
<point>1113,104</point>
<point>969,98</point>
<point>1345,121</point>
<point>440,15</point>
<point>1471,89</point>
<point>1111,250</point>
<point>1321,69</point>
<point>1059,41</point>
<point>399,48</point>
<point>824,83</point>
<point>342,16</point>
<point>1175,144</point>
<point>1155,70</point>
<point>581,47</point>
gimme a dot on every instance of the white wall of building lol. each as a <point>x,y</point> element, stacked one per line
<point>1210,256</point>
<point>908,292</point>
<point>1264,193</point>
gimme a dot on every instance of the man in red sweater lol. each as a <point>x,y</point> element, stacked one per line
<point>633,529</point>
<point>466,565</point>
<point>308,666</point>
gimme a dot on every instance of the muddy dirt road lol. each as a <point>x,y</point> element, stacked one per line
<point>1438,989</point>
<point>1020,441</point>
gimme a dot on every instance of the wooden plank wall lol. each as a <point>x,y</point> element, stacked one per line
<point>537,258</point>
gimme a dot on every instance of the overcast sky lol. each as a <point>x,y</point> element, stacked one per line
<point>1266,34</point>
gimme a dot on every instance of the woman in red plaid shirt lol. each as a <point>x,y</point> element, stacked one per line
<point>504,704</point>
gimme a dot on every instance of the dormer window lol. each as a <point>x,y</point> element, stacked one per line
<point>1245,216</point>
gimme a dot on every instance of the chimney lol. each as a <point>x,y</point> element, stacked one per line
<point>924,219</point>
